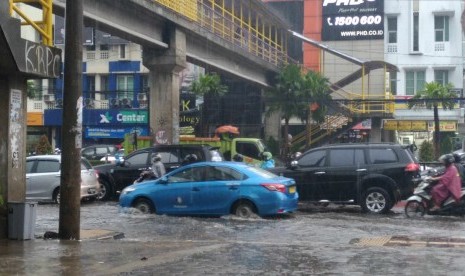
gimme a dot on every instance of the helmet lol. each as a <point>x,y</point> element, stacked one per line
<point>447,159</point>
<point>457,158</point>
<point>267,155</point>
<point>156,157</point>
<point>238,158</point>
<point>190,158</point>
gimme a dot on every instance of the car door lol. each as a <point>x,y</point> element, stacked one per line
<point>346,168</point>
<point>309,175</point>
<point>220,187</point>
<point>126,173</point>
<point>45,177</point>
<point>174,196</point>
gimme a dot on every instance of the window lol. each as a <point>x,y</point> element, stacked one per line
<point>441,76</point>
<point>104,87</point>
<point>104,47</point>
<point>101,150</point>
<point>382,156</point>
<point>145,83</point>
<point>393,82</point>
<point>51,86</point>
<point>223,173</point>
<point>186,151</point>
<point>122,51</point>
<point>169,157</point>
<point>392,29</point>
<point>416,35</point>
<point>441,28</point>
<point>125,86</point>
<point>313,159</point>
<point>139,159</point>
<point>248,149</point>
<point>29,166</point>
<point>188,175</point>
<point>414,82</point>
<point>90,86</point>
<point>346,157</point>
<point>47,166</point>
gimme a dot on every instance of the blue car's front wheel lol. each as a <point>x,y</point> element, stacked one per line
<point>144,205</point>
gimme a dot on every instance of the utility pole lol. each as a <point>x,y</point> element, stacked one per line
<point>70,202</point>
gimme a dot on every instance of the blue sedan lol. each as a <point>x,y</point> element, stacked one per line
<point>214,189</point>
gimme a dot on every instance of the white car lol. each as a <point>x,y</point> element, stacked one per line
<point>112,159</point>
<point>43,179</point>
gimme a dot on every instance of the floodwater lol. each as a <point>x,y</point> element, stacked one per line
<point>316,240</point>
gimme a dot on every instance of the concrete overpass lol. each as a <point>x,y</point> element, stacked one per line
<point>249,44</point>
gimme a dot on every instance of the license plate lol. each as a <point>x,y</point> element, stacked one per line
<point>292,189</point>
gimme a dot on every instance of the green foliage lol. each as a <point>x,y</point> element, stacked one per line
<point>43,147</point>
<point>426,152</point>
<point>434,95</point>
<point>446,142</point>
<point>31,89</point>
<point>209,84</point>
<point>295,91</point>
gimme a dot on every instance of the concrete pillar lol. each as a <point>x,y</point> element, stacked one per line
<point>165,66</point>
<point>12,144</point>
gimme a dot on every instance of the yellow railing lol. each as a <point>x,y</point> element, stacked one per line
<point>188,8</point>
<point>370,104</point>
<point>43,26</point>
<point>238,22</point>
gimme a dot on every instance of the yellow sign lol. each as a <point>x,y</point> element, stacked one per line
<point>407,125</point>
<point>444,126</point>
<point>35,119</point>
<point>390,125</point>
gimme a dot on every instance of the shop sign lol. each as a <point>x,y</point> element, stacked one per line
<point>352,20</point>
<point>113,132</point>
<point>444,126</point>
<point>407,125</point>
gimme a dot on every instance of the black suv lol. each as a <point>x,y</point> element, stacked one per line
<point>375,176</point>
<point>96,152</point>
<point>115,177</point>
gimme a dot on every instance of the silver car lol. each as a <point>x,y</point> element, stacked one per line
<point>43,179</point>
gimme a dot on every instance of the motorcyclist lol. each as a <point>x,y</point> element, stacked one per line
<point>158,168</point>
<point>268,161</point>
<point>460,167</point>
<point>238,158</point>
<point>449,183</point>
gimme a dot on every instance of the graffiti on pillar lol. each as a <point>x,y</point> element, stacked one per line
<point>160,137</point>
<point>42,60</point>
<point>78,127</point>
<point>15,126</point>
<point>162,121</point>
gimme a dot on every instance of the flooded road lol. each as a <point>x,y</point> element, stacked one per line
<point>316,240</point>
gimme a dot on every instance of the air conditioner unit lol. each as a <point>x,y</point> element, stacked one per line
<point>126,103</point>
<point>141,97</point>
<point>89,103</point>
<point>49,98</point>
<point>114,103</point>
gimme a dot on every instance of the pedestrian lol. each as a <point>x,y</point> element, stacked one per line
<point>158,168</point>
<point>267,160</point>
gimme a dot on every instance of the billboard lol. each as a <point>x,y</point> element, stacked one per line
<point>59,33</point>
<point>352,20</point>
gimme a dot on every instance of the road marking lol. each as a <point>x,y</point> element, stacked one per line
<point>412,242</point>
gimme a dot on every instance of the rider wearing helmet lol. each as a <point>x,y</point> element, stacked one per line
<point>449,183</point>
<point>460,168</point>
<point>189,159</point>
<point>238,158</point>
<point>268,161</point>
<point>158,168</point>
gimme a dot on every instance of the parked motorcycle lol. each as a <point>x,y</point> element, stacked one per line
<point>421,201</point>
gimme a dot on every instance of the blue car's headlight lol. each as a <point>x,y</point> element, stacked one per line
<point>127,190</point>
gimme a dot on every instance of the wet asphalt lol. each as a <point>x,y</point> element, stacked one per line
<point>315,241</point>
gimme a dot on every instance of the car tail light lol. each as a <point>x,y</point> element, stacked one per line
<point>412,167</point>
<point>275,187</point>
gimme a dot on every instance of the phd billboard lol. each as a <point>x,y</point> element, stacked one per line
<point>352,20</point>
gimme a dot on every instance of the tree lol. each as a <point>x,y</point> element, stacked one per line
<point>31,89</point>
<point>43,146</point>
<point>286,98</point>
<point>316,94</point>
<point>432,97</point>
<point>426,152</point>
<point>209,86</point>
<point>296,95</point>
